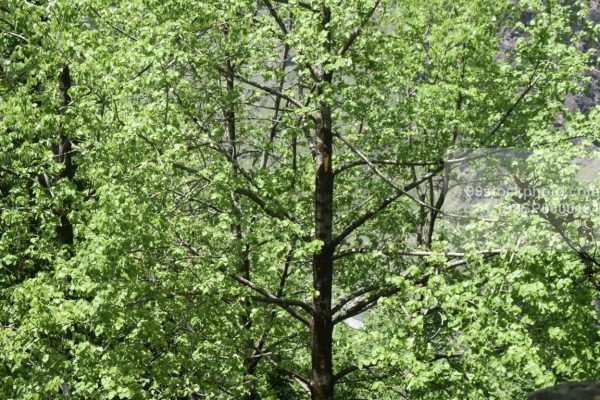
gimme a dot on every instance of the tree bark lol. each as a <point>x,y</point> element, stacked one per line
<point>322,325</point>
<point>322,329</point>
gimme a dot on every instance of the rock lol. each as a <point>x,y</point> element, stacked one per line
<point>569,391</point>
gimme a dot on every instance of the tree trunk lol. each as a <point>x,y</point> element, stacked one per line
<point>250,361</point>
<point>62,154</point>
<point>322,324</point>
<point>322,329</point>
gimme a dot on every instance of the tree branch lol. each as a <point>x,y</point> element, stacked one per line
<point>348,370</point>
<point>371,301</point>
<point>275,300</point>
<point>352,164</point>
<point>269,90</point>
<point>302,381</point>
<point>280,301</point>
<point>371,214</point>
<point>14,173</point>
<point>262,204</point>
<point>513,106</point>
<point>346,299</point>
<point>355,34</point>
<point>267,295</point>
<point>14,34</point>
<point>190,170</point>
<point>365,304</point>
<point>302,4</point>
<point>419,253</point>
<point>235,163</point>
<point>277,106</point>
<point>415,253</point>
<point>116,28</point>
<point>274,14</point>
<point>388,180</point>
<point>352,251</point>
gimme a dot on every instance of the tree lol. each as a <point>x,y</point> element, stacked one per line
<point>252,175</point>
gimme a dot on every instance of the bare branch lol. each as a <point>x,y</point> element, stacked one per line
<point>369,302</point>
<point>235,163</point>
<point>246,174</point>
<point>142,71</point>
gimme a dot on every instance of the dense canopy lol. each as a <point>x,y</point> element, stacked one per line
<point>249,199</point>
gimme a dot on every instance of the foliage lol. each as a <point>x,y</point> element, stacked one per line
<point>159,198</point>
